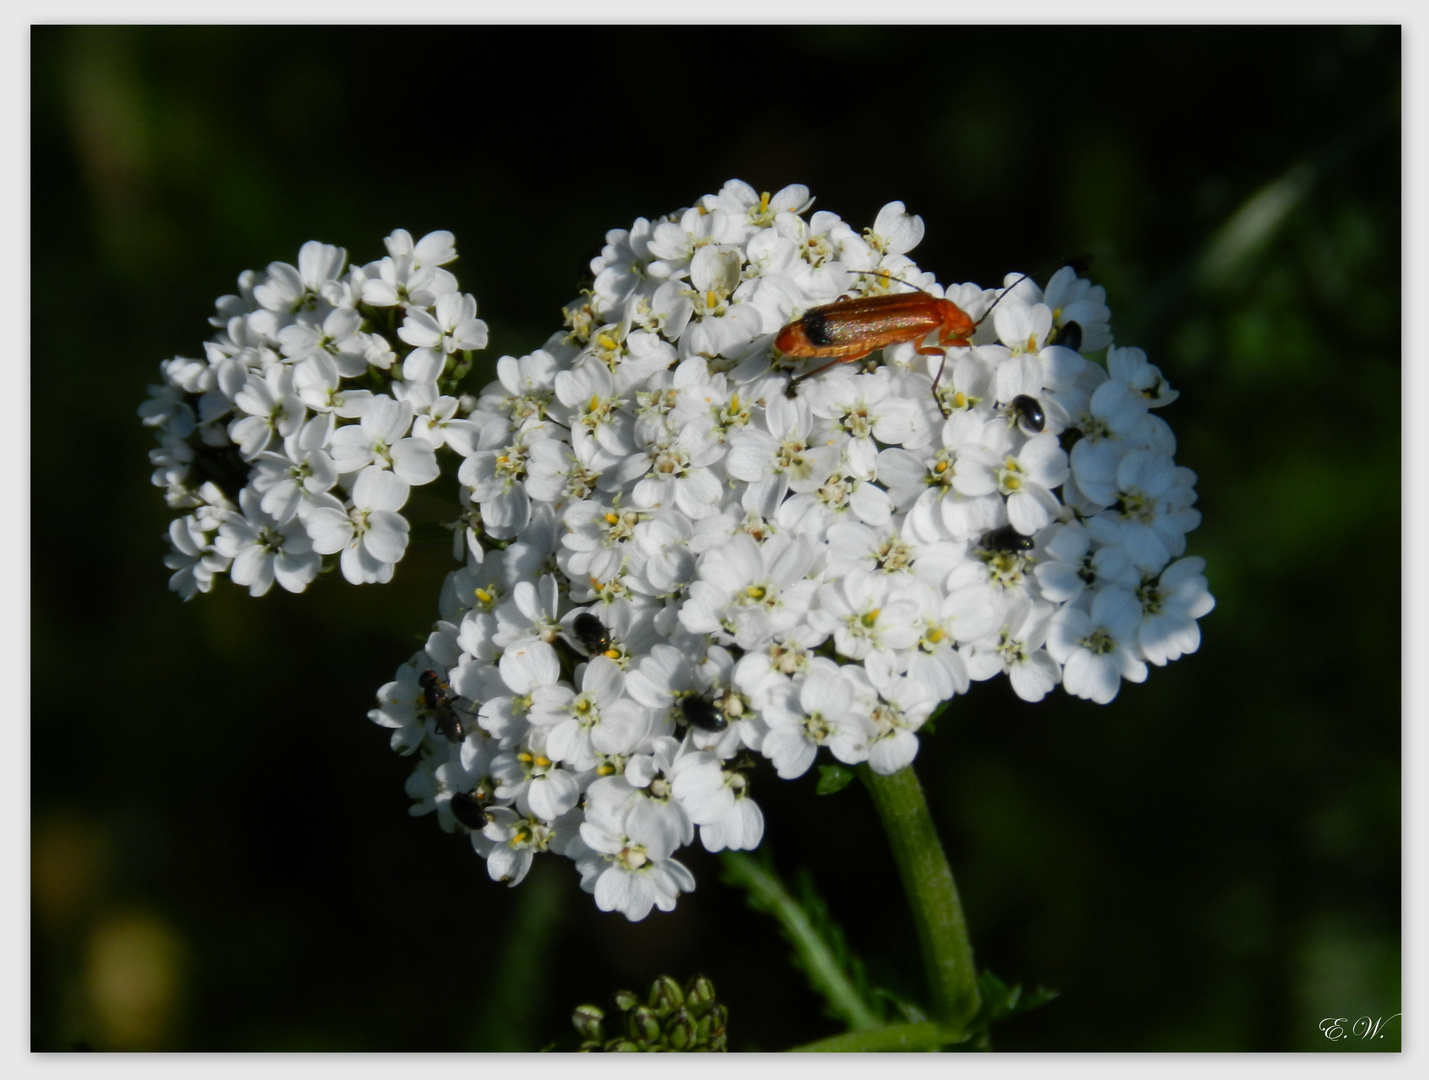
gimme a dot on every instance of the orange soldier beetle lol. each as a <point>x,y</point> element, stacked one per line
<point>852,327</point>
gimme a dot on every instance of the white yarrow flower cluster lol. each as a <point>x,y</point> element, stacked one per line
<point>677,564</point>
<point>303,430</point>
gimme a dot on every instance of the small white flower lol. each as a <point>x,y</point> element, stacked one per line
<point>895,231</point>
<point>747,593</point>
<point>398,703</point>
<point>370,533</point>
<point>628,865</point>
<point>1098,648</point>
<point>289,289</point>
<point>410,274</point>
<point>1151,512</point>
<point>1076,300</point>
<point>1170,606</point>
<point>594,722</point>
<point>819,711</point>
<point>193,560</point>
<point>864,612</point>
<point>263,550</point>
<point>452,328</point>
<point>510,842</point>
<point>271,411</point>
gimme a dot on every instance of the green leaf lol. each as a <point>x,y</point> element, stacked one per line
<point>1000,1000</point>
<point>820,949</point>
<point>834,778</point>
<point>911,1011</point>
<point>997,998</point>
<point>1036,999</point>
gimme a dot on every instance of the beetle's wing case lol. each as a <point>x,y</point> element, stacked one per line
<point>871,322</point>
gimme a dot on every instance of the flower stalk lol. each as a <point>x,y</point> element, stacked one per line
<point>923,1035</point>
<point>932,895</point>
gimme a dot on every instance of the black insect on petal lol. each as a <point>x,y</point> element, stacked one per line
<point>1007,538</point>
<point>1029,411</point>
<point>592,634</point>
<point>703,714</point>
<point>468,809</point>
<point>1069,336</point>
<point>437,696</point>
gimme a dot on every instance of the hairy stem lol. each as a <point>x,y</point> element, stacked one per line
<point>932,894</point>
<point>921,1036</point>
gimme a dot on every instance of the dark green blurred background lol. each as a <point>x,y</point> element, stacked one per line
<point>222,858</point>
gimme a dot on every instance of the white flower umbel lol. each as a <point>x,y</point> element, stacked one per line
<point>678,562</point>
<point>298,402</point>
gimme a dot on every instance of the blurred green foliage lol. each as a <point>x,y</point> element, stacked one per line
<point>222,858</point>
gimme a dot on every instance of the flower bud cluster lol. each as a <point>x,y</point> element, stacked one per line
<point>678,562</point>
<point>303,429</point>
<point>671,1019</point>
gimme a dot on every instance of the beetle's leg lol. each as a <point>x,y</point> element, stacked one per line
<point>947,342</point>
<point>924,350</point>
<point>810,374</point>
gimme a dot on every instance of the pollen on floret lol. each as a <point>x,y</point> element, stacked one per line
<point>869,618</point>
<point>1099,642</point>
<point>1136,506</point>
<point>632,858</point>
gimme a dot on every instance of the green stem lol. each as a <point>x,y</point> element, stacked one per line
<point>824,969</point>
<point>922,1036</point>
<point>932,894</point>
